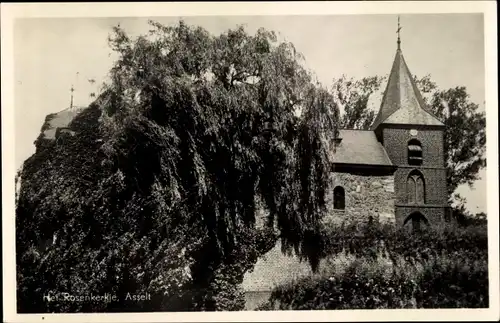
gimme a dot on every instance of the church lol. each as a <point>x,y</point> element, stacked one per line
<point>396,170</point>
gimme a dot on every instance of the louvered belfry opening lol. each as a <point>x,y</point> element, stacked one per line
<point>415,156</point>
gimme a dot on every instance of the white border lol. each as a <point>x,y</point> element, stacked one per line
<point>11,11</point>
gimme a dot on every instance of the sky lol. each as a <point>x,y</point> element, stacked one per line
<point>52,54</point>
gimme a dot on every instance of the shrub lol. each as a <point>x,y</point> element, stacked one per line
<point>444,267</point>
<point>439,284</point>
<point>454,283</point>
<point>370,240</point>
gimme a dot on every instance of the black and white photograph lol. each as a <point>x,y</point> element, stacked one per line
<point>163,163</point>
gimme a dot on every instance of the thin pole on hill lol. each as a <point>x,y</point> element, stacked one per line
<point>71,106</point>
<point>71,102</point>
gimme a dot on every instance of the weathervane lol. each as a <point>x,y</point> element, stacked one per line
<point>399,32</point>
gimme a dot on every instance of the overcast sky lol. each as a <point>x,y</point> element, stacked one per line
<point>50,51</point>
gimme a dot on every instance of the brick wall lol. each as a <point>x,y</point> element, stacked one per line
<point>273,269</point>
<point>396,145</point>
<point>434,215</point>
<point>435,184</point>
<point>432,169</point>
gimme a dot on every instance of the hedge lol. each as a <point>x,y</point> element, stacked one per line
<point>443,267</point>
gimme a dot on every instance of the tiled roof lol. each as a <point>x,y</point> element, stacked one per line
<point>402,102</point>
<point>360,147</point>
<point>60,119</point>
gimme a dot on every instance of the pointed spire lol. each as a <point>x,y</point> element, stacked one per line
<point>402,102</point>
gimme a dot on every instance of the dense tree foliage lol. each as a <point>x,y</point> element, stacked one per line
<point>465,135</point>
<point>158,190</point>
<point>352,97</point>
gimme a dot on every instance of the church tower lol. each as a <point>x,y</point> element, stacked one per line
<point>414,140</point>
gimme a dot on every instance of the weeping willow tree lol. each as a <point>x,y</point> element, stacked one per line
<point>157,192</point>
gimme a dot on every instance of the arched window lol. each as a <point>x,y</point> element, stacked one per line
<point>415,156</point>
<point>339,198</point>
<point>415,188</point>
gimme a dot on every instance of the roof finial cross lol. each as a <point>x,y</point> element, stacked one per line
<point>399,32</point>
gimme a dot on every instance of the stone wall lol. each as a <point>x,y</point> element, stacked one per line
<point>365,196</point>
